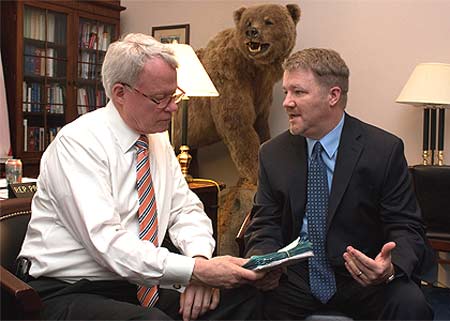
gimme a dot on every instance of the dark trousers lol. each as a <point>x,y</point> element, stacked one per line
<point>401,299</point>
<point>116,300</point>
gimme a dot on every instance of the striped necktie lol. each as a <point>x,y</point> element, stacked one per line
<point>148,218</point>
<point>321,275</point>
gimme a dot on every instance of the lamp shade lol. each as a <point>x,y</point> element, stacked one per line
<point>192,77</point>
<point>428,84</point>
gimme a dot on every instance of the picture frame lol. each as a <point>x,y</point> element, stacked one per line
<point>172,34</point>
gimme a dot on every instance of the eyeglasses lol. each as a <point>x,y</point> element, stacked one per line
<point>163,102</point>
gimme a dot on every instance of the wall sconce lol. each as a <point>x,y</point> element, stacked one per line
<point>194,80</point>
<point>428,87</point>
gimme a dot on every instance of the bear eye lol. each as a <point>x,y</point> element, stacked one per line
<point>268,22</point>
<point>248,24</point>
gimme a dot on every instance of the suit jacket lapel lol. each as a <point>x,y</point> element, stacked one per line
<point>349,151</point>
<point>297,180</point>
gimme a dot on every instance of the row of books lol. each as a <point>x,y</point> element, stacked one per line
<point>95,36</point>
<point>48,27</point>
<point>32,98</point>
<point>55,99</point>
<point>35,139</point>
<point>40,61</point>
<point>87,66</point>
<point>88,99</point>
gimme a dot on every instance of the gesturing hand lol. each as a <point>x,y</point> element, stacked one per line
<point>367,271</point>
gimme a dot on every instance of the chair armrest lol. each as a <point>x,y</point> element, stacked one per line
<point>26,298</point>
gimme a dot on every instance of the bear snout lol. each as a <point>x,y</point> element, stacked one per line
<point>252,33</point>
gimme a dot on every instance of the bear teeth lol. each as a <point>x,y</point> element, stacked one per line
<point>254,47</point>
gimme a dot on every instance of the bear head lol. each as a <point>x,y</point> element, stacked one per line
<point>266,33</point>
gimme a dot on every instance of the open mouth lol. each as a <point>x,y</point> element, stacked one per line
<point>257,47</point>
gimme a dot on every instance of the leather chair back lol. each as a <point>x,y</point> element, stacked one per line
<point>432,186</point>
<point>15,214</point>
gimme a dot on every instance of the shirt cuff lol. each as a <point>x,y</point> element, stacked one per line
<point>178,269</point>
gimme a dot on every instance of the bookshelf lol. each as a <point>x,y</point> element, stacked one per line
<point>94,38</point>
<point>52,57</point>
<point>44,77</point>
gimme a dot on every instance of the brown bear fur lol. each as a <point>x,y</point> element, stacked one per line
<point>244,78</point>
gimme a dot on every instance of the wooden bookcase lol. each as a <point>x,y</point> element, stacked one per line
<point>52,54</point>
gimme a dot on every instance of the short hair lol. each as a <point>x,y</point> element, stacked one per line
<point>326,64</point>
<point>126,57</point>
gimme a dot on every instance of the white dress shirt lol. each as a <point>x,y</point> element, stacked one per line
<point>84,214</point>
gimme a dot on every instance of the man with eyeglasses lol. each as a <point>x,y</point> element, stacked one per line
<point>109,190</point>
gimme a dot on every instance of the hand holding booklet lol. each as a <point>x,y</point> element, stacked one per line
<point>299,249</point>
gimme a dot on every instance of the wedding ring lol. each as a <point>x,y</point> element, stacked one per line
<point>359,273</point>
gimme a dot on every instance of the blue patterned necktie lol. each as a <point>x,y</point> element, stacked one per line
<point>321,275</point>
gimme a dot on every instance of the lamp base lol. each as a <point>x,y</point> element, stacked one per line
<point>184,158</point>
<point>440,157</point>
<point>425,157</point>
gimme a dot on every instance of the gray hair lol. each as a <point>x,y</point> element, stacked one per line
<point>126,58</point>
<point>326,64</point>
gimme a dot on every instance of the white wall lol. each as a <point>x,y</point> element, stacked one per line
<point>381,41</point>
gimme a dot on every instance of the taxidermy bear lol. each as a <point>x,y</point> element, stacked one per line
<point>244,63</point>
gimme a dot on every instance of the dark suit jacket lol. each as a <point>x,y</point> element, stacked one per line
<point>371,201</point>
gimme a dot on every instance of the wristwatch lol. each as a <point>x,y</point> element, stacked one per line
<point>392,276</point>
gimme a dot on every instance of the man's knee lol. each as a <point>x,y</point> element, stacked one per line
<point>151,314</point>
<point>405,300</point>
<point>94,307</point>
<point>237,304</point>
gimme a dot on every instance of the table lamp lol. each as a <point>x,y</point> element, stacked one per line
<point>428,87</point>
<point>194,80</point>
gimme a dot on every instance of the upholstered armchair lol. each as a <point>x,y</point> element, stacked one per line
<point>19,300</point>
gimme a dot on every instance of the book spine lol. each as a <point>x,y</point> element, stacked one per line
<point>25,135</point>
<point>24,96</point>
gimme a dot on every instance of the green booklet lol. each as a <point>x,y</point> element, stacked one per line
<point>299,249</point>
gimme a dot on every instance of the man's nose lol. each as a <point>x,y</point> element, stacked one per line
<point>288,102</point>
<point>172,106</point>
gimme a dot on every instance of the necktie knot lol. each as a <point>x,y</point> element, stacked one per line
<point>317,150</point>
<point>142,142</point>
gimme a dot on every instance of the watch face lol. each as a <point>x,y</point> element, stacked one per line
<point>390,278</point>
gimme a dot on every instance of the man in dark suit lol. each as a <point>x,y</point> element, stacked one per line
<point>366,227</point>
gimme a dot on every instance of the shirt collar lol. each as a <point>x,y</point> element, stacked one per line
<point>330,141</point>
<point>125,136</point>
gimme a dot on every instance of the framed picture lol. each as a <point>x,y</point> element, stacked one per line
<point>172,34</point>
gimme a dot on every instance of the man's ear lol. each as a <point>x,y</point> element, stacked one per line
<point>334,95</point>
<point>118,93</point>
